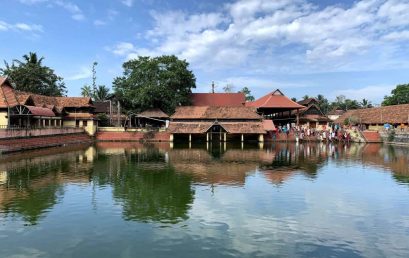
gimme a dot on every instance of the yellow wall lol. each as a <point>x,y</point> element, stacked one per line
<point>3,118</point>
<point>69,123</point>
<point>91,127</point>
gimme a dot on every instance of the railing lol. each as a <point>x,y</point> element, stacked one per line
<point>16,132</point>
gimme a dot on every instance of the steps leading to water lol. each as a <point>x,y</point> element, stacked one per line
<point>372,136</point>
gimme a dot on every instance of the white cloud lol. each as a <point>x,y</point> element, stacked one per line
<point>398,36</point>
<point>99,23</point>
<point>84,73</point>
<point>375,93</point>
<point>73,9</point>
<point>249,32</point>
<point>128,3</point>
<point>34,28</point>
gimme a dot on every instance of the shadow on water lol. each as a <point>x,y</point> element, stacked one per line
<point>156,182</point>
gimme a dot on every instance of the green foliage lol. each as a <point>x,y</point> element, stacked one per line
<point>246,91</point>
<point>32,76</point>
<point>103,119</point>
<point>163,82</point>
<point>101,93</point>
<point>391,135</point>
<point>86,91</point>
<point>323,103</point>
<point>400,95</point>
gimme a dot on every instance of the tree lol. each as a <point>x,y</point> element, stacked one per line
<point>294,99</point>
<point>305,97</point>
<point>86,91</point>
<point>101,93</point>
<point>163,82</point>
<point>31,75</point>
<point>246,91</point>
<point>400,95</point>
<point>323,103</point>
<point>365,103</point>
<point>229,88</point>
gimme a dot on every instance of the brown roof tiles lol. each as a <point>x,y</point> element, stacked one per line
<point>206,112</point>
<point>218,99</point>
<point>389,114</point>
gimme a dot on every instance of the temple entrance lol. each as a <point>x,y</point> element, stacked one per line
<point>216,133</point>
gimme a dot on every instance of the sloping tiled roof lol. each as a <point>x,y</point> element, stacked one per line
<point>203,127</point>
<point>62,102</point>
<point>218,99</point>
<point>7,96</point>
<point>389,114</point>
<point>192,112</point>
<point>155,113</point>
<point>336,112</point>
<point>306,102</point>
<point>40,111</point>
<point>275,99</point>
<point>268,125</point>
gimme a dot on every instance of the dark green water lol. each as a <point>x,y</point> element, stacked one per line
<point>130,200</point>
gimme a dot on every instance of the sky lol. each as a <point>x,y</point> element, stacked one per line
<point>359,49</point>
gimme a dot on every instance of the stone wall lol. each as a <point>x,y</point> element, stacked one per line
<point>133,136</point>
<point>22,133</point>
<point>395,136</point>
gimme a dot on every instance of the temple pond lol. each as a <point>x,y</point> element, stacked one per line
<point>133,200</point>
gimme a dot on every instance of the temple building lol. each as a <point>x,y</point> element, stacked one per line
<point>221,123</point>
<point>277,107</point>
<point>27,110</point>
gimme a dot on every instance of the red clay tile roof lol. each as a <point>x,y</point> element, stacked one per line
<point>306,102</point>
<point>275,99</point>
<point>62,102</point>
<point>192,112</point>
<point>40,111</point>
<point>155,113</point>
<point>396,114</point>
<point>7,96</point>
<point>203,127</point>
<point>336,112</point>
<point>218,99</point>
<point>268,125</point>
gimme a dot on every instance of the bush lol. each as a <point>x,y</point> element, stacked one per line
<point>103,120</point>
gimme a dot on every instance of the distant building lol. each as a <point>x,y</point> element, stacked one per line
<point>335,114</point>
<point>151,118</point>
<point>218,99</point>
<point>375,118</point>
<point>24,109</point>
<point>311,116</point>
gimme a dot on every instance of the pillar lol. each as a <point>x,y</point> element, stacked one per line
<point>261,138</point>
<point>171,137</point>
<point>43,122</point>
<point>190,137</point>
<point>225,137</point>
<point>207,137</point>
<point>242,137</point>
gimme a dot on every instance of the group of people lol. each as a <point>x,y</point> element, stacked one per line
<point>333,133</point>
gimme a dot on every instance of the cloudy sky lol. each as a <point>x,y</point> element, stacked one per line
<point>356,48</point>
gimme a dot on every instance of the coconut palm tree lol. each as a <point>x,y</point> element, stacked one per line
<point>86,91</point>
<point>101,93</point>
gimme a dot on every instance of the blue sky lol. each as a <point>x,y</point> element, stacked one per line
<point>356,48</point>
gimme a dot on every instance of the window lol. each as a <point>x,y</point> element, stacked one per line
<point>84,123</point>
<point>77,123</point>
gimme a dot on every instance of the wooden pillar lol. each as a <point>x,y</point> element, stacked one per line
<point>298,117</point>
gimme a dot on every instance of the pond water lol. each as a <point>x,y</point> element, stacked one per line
<point>133,200</point>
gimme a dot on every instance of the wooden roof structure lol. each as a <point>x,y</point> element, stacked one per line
<point>396,114</point>
<point>214,113</point>
<point>153,113</point>
<point>274,100</point>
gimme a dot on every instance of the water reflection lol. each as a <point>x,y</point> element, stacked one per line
<point>157,182</point>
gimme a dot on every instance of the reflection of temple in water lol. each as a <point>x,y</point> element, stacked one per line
<point>156,182</point>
